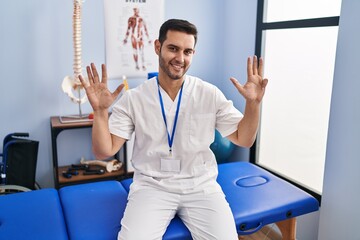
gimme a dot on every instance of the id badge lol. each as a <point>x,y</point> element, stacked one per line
<point>169,164</point>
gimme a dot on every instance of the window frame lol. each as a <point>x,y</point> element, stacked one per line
<point>262,26</point>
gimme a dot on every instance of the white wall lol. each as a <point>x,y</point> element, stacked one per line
<point>340,212</point>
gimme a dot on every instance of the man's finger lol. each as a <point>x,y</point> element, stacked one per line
<point>249,67</point>
<point>118,90</point>
<point>264,83</point>
<point>83,82</point>
<point>103,74</point>
<point>234,81</point>
<point>90,77</point>
<point>238,85</point>
<point>261,67</point>
<point>95,73</point>
<point>255,65</point>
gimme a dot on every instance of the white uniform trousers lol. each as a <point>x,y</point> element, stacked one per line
<point>149,212</point>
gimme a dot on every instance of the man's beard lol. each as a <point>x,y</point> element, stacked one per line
<point>166,69</point>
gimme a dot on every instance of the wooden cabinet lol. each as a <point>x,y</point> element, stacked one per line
<point>56,128</point>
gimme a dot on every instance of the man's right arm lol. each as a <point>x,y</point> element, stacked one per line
<point>104,144</point>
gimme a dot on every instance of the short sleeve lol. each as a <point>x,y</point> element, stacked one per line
<point>121,119</point>
<point>227,116</point>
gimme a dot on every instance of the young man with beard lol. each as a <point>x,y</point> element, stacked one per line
<point>174,117</point>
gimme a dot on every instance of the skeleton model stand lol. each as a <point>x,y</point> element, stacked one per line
<point>73,84</point>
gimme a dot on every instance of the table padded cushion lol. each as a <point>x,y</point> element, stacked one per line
<point>258,198</point>
<point>32,215</point>
<point>94,210</point>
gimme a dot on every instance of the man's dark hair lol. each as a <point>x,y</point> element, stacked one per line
<point>177,25</point>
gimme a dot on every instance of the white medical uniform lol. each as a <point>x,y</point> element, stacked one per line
<point>184,184</point>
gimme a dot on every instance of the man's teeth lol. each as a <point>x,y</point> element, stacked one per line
<point>177,66</point>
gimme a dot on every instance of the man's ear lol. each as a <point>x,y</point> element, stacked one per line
<point>157,46</point>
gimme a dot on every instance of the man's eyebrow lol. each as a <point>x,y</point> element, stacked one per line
<point>177,47</point>
<point>172,45</point>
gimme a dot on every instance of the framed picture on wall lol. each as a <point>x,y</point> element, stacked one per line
<point>131,26</point>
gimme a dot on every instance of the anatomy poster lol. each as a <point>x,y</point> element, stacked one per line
<point>131,26</point>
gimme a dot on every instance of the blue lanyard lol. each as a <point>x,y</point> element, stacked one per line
<point>170,139</point>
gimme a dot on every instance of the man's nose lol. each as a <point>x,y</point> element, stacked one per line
<point>180,56</point>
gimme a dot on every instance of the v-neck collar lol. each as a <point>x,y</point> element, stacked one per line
<point>169,104</point>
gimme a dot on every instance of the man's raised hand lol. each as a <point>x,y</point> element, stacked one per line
<point>97,90</point>
<point>254,88</point>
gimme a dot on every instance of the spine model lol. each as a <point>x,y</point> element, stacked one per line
<point>71,84</point>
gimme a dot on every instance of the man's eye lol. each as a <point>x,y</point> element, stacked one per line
<point>188,52</point>
<point>172,49</point>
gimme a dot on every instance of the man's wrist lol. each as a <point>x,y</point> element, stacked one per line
<point>101,113</point>
<point>253,103</point>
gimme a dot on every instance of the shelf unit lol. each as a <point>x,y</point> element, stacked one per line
<point>59,180</point>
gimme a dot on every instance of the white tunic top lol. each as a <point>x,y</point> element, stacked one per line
<point>203,108</point>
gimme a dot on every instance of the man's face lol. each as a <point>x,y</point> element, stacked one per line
<point>175,54</point>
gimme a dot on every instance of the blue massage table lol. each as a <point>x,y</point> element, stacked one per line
<point>94,210</point>
<point>256,198</point>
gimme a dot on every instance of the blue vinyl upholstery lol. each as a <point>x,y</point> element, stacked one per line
<point>94,210</point>
<point>258,198</point>
<point>32,215</point>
